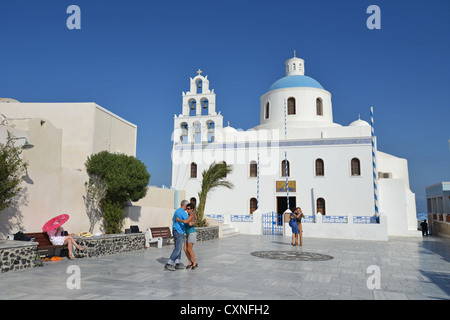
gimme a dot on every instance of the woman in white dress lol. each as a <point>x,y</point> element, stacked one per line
<point>57,238</point>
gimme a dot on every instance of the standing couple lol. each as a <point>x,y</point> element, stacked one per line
<point>296,224</point>
<point>183,221</point>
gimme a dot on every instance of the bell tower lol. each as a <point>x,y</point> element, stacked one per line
<point>198,121</point>
<point>199,100</point>
<point>295,66</point>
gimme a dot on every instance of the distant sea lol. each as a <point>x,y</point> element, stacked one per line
<point>422,216</point>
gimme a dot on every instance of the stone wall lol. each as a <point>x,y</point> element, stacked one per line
<point>207,233</point>
<point>17,255</point>
<point>440,228</point>
<point>109,244</point>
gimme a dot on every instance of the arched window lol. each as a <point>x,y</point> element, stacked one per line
<point>253,169</point>
<point>320,168</point>
<point>205,106</point>
<point>267,110</point>
<point>199,85</point>
<point>193,170</point>
<point>197,132</point>
<point>321,206</point>
<point>184,133</point>
<point>319,107</point>
<point>291,106</point>
<point>194,202</point>
<point>285,168</point>
<point>355,167</point>
<point>192,108</point>
<point>253,205</point>
<point>210,126</point>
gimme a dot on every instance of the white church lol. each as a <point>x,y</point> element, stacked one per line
<point>345,186</point>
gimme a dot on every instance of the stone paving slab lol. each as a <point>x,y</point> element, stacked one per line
<point>410,269</point>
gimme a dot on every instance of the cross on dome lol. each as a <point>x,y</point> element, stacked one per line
<point>199,71</point>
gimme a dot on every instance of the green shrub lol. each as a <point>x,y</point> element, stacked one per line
<point>113,214</point>
<point>12,171</point>
<point>126,178</point>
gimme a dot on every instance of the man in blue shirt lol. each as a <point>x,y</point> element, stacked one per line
<point>178,231</point>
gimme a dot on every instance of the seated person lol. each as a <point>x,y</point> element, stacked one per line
<point>58,238</point>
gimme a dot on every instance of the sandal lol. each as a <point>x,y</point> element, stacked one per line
<point>195,267</point>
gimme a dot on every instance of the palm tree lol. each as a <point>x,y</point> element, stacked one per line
<point>212,178</point>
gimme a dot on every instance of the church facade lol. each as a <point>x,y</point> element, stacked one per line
<point>296,157</point>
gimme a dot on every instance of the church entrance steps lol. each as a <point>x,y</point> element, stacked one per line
<point>229,231</point>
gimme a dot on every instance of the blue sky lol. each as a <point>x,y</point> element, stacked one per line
<point>135,58</point>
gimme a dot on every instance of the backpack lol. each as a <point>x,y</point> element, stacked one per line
<point>21,237</point>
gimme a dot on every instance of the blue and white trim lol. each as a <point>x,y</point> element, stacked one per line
<point>285,155</point>
<point>334,219</point>
<point>274,144</point>
<point>257,184</point>
<point>364,220</point>
<point>374,164</point>
<point>218,217</point>
<point>241,218</point>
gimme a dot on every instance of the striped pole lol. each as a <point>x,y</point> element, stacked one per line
<point>287,179</point>
<point>285,120</point>
<point>374,164</point>
<point>257,185</point>
<point>285,155</point>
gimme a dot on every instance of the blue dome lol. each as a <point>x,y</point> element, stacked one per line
<point>295,81</point>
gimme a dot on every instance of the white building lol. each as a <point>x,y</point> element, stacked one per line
<point>438,208</point>
<point>63,136</point>
<point>329,166</point>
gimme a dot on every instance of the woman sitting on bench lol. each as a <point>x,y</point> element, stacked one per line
<point>58,238</point>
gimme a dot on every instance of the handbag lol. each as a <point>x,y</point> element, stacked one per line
<point>134,229</point>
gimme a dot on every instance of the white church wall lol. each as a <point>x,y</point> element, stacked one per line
<point>397,203</point>
<point>357,198</point>
<point>309,136</point>
<point>305,106</point>
<point>411,210</point>
<point>348,230</point>
<point>246,223</point>
<point>398,167</point>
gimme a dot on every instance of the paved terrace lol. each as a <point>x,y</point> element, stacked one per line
<point>409,268</point>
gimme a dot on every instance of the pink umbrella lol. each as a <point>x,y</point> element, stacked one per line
<point>55,222</point>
